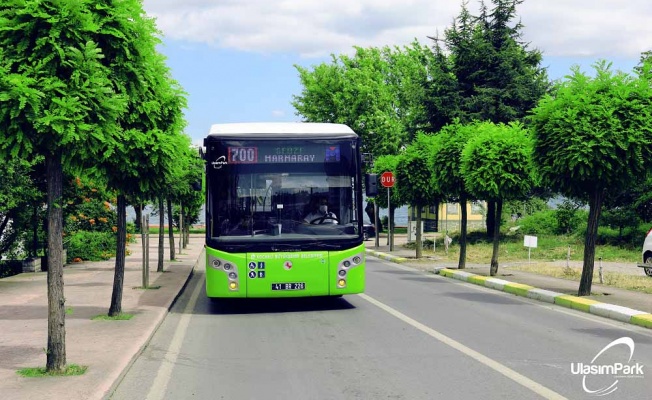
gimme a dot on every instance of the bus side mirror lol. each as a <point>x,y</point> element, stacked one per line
<point>371,185</point>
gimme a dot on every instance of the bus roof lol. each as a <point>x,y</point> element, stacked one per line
<point>282,129</point>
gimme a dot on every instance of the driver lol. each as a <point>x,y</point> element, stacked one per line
<point>320,214</point>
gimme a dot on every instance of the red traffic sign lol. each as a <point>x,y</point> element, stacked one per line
<point>387,179</point>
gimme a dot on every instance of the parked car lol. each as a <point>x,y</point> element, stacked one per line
<point>368,231</point>
<point>647,254</point>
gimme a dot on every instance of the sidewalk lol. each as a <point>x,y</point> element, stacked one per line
<point>105,347</point>
<point>619,304</point>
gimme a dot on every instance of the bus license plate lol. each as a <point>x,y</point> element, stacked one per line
<point>289,286</point>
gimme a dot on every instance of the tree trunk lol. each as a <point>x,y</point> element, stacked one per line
<point>119,273</point>
<point>187,230</point>
<point>35,224</point>
<point>56,352</point>
<point>595,206</point>
<point>418,235</point>
<point>462,261</point>
<point>491,218</point>
<point>181,226</point>
<point>494,256</point>
<point>161,234</point>
<point>171,231</point>
<point>138,208</point>
<point>437,203</point>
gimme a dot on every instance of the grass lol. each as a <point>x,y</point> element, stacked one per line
<point>613,279</point>
<point>119,317</point>
<point>38,372</point>
<point>549,248</point>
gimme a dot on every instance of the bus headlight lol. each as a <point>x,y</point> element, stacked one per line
<point>357,260</point>
<point>216,263</point>
<point>342,273</point>
<point>227,267</point>
<point>233,275</point>
<point>233,285</point>
<point>341,283</point>
<point>346,263</point>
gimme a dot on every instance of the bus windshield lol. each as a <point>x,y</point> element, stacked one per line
<point>280,191</point>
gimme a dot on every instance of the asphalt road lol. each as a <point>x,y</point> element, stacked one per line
<point>412,335</point>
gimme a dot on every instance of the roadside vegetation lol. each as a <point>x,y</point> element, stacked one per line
<point>92,105</point>
<point>473,117</point>
<point>549,248</point>
<point>639,283</point>
<point>559,231</point>
<point>39,372</point>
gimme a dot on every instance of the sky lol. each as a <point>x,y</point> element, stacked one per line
<point>236,58</point>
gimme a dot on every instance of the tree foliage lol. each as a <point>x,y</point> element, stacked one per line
<point>20,198</point>
<point>594,135</point>
<point>150,140</point>
<point>446,158</point>
<point>497,166</point>
<point>486,72</point>
<point>56,100</point>
<point>378,92</point>
<point>414,172</point>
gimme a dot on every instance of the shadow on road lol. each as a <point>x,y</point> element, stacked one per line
<point>270,306</point>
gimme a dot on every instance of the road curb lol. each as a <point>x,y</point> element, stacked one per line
<point>387,257</point>
<point>619,313</point>
<point>157,322</point>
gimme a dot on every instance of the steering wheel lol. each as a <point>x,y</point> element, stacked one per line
<point>320,220</point>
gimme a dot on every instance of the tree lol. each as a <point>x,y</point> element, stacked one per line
<point>143,154</point>
<point>378,92</point>
<point>384,164</point>
<point>414,172</point>
<point>185,189</point>
<point>490,73</point>
<point>497,166</point>
<point>17,193</point>
<point>57,101</point>
<point>593,135</point>
<point>161,233</point>
<point>446,160</point>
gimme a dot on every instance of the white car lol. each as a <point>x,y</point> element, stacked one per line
<point>647,254</point>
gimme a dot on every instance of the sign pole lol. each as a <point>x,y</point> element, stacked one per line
<point>376,223</point>
<point>387,180</point>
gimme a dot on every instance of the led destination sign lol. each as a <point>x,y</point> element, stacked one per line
<point>283,154</point>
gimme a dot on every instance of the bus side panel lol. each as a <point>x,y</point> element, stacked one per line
<point>353,275</point>
<point>225,274</point>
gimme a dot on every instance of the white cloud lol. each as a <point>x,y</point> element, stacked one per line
<point>595,28</point>
<point>278,114</point>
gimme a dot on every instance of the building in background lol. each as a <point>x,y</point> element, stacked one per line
<point>447,217</point>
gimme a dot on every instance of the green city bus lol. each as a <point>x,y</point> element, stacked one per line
<point>263,180</point>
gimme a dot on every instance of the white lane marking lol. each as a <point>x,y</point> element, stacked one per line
<point>496,366</point>
<point>548,306</point>
<point>159,387</point>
